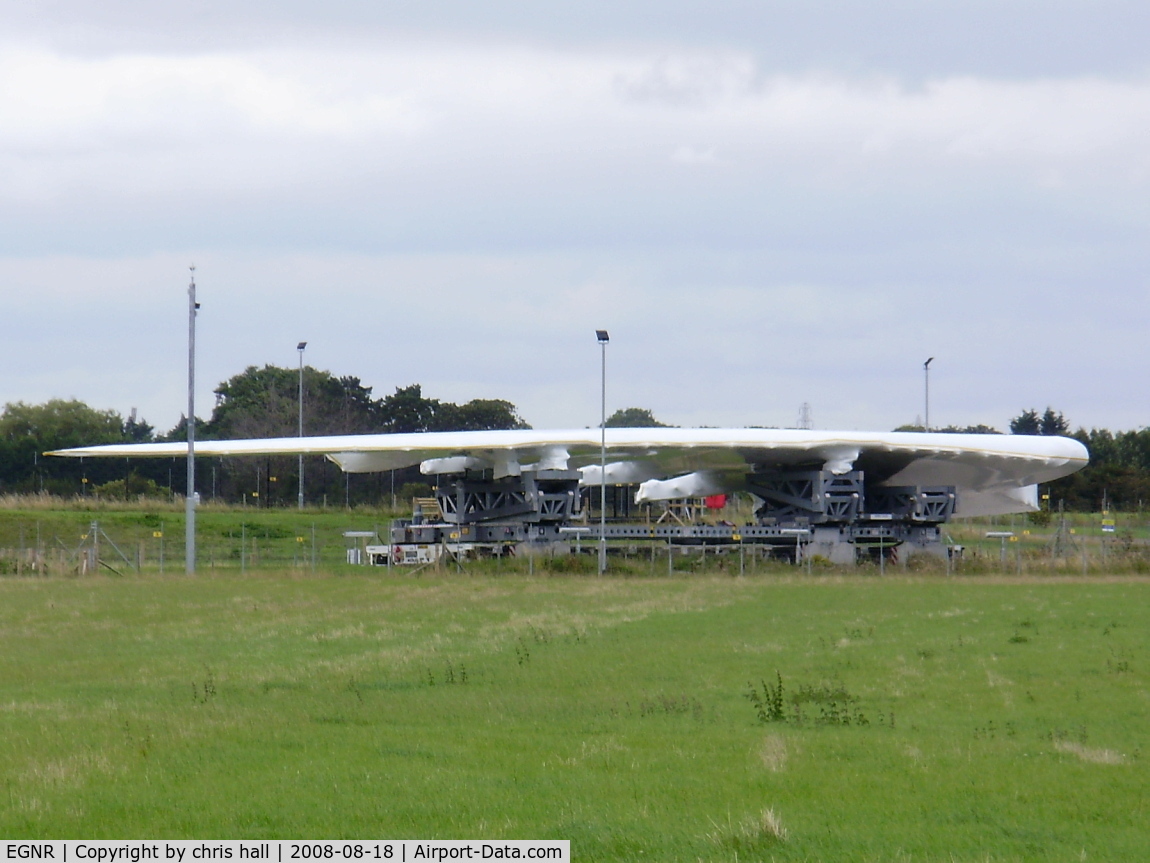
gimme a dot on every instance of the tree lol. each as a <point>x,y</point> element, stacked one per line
<point>1053,423</point>
<point>1119,471</point>
<point>264,402</point>
<point>257,403</point>
<point>407,410</point>
<point>633,418</point>
<point>28,430</point>
<point>980,428</point>
<point>1050,423</point>
<point>477,415</point>
<point>179,432</point>
<point>347,404</point>
<point>1026,422</point>
<point>138,431</point>
<point>59,423</point>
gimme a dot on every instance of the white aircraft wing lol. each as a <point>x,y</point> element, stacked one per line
<point>993,473</point>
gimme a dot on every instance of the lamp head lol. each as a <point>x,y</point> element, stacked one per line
<point>602,336</point>
<point>301,346</point>
<point>926,365</point>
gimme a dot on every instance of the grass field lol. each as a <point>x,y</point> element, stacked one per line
<point>919,718</point>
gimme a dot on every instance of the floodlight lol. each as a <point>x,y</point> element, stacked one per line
<point>300,348</point>
<point>603,338</point>
<point>926,393</point>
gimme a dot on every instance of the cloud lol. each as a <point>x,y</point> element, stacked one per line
<point>688,155</point>
<point>463,212</point>
<point>1004,39</point>
<point>445,121</point>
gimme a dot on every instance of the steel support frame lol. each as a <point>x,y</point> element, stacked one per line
<point>544,496</point>
<point>922,504</point>
<point>820,497</point>
<point>807,497</point>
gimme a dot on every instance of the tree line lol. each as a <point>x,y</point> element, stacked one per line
<point>257,403</point>
<point>264,402</point>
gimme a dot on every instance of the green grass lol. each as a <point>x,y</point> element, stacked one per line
<point>986,719</point>
<point>274,538</point>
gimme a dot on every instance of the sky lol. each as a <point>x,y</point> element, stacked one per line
<point>765,203</point>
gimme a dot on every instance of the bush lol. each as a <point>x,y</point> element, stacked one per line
<point>132,487</point>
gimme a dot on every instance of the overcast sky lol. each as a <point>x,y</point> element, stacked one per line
<point>765,203</point>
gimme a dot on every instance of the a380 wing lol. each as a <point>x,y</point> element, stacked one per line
<point>993,473</point>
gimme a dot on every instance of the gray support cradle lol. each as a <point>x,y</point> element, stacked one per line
<point>839,517</point>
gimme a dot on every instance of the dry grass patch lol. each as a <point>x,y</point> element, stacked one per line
<point>602,749</point>
<point>751,833</point>
<point>773,753</point>
<point>1090,754</point>
<point>70,772</point>
<point>994,680</point>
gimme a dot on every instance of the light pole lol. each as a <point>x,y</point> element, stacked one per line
<point>300,347</point>
<point>190,496</point>
<point>926,393</point>
<point>603,338</point>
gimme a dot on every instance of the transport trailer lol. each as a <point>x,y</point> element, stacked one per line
<point>415,544</point>
<point>420,554</point>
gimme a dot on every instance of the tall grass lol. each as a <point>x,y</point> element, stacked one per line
<point>44,501</point>
<point>149,534</point>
